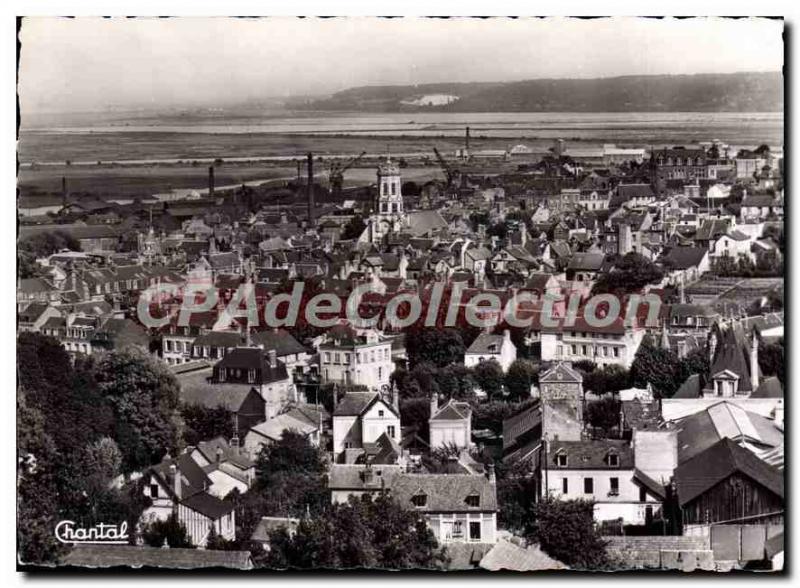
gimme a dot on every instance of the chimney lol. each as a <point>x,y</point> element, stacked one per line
<point>210,180</point>
<point>176,476</point>
<point>434,404</point>
<point>63,191</point>
<point>754,362</point>
<point>310,189</point>
<point>490,473</point>
<point>273,358</point>
<point>466,143</point>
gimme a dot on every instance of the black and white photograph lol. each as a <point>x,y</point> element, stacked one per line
<point>360,293</point>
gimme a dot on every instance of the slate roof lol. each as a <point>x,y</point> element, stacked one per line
<point>587,261</point>
<point>424,222</point>
<point>356,403</point>
<point>279,340</point>
<point>486,343</point>
<point>699,431</point>
<point>592,454</point>
<point>719,462</point>
<point>351,477</point>
<point>682,258</point>
<point>453,411</point>
<point>208,505</point>
<point>137,556</point>
<point>197,390</point>
<point>445,492</point>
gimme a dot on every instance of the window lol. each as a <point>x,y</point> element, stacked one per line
<point>153,490</point>
<point>616,351</point>
<point>613,460</point>
<point>336,358</point>
<point>222,374</point>
<point>380,413</point>
<point>588,485</point>
<point>475,531</point>
<point>473,500</point>
<point>614,487</point>
<point>390,431</point>
<point>561,460</point>
<point>419,500</point>
<point>251,376</point>
<point>564,485</point>
<point>458,529</point>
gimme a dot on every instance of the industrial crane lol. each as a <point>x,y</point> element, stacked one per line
<point>452,175</point>
<point>336,173</point>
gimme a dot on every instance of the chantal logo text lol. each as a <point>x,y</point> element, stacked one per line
<point>67,532</point>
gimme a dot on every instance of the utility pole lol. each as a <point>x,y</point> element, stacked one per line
<point>310,188</point>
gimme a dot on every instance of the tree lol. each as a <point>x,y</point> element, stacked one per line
<point>144,397</point>
<point>608,379</point>
<point>441,347</point>
<point>603,414</point>
<point>37,494</point>
<point>521,375</point>
<point>363,533</point>
<point>565,530</point>
<point>631,274</point>
<point>202,423</point>
<point>656,366</point>
<point>489,377</point>
<point>490,415</point>
<point>771,360</point>
<point>290,477</point>
<point>517,489</point>
<point>170,529</point>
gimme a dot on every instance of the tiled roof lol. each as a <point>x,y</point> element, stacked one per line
<point>136,556</point>
<point>355,403</point>
<point>509,556</point>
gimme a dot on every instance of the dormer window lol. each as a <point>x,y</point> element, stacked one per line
<point>419,500</point>
<point>561,460</point>
<point>613,459</point>
<point>473,500</point>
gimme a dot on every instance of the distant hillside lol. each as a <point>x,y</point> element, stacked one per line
<point>739,92</point>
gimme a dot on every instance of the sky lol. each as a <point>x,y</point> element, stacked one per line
<point>90,64</point>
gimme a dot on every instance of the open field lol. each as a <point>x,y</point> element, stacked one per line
<point>147,180</point>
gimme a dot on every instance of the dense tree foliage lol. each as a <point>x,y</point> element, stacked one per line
<point>521,375</point>
<point>69,448</point>
<point>489,377</point>
<point>441,347</point>
<point>608,379</point>
<point>144,397</point>
<point>364,533</point>
<point>603,415</point>
<point>663,369</point>
<point>632,273</point>
<point>170,530</point>
<point>565,530</point>
<point>771,360</point>
<point>203,423</point>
